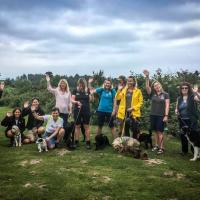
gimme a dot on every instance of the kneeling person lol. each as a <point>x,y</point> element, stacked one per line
<point>54,127</point>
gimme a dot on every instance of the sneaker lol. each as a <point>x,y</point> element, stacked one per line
<point>160,151</point>
<point>156,148</point>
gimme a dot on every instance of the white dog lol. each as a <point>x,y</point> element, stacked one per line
<point>42,144</point>
<point>17,136</point>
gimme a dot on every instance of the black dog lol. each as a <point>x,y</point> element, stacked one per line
<point>101,141</point>
<point>146,138</point>
<point>69,134</point>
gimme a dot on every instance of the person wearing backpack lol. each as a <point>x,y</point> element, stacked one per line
<point>105,111</point>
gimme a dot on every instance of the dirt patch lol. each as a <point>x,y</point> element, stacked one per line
<point>30,162</point>
<point>106,198</point>
<point>105,179</point>
<point>62,152</point>
<point>152,162</point>
<point>27,185</point>
<point>84,161</point>
<point>169,174</point>
<point>180,176</point>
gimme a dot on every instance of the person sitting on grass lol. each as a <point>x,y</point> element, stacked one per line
<point>11,119</point>
<point>54,127</point>
<point>33,125</point>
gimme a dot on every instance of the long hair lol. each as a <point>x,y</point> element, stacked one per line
<point>190,92</point>
<point>17,108</point>
<point>154,82</point>
<point>66,83</point>
<point>84,83</point>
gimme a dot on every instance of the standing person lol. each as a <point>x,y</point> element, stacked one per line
<point>11,119</point>
<point>187,111</point>
<point>1,88</point>
<point>130,101</point>
<point>81,98</point>
<point>33,125</point>
<point>54,131</point>
<point>105,111</point>
<point>159,111</point>
<point>63,98</point>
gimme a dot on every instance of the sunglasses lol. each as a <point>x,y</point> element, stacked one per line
<point>184,88</point>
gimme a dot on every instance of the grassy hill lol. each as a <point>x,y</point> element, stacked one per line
<point>26,174</point>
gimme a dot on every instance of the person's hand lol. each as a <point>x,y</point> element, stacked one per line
<point>9,114</point>
<point>165,119</point>
<point>90,80</point>
<point>79,104</point>
<point>26,104</point>
<point>2,85</point>
<point>113,113</point>
<point>47,77</point>
<point>129,110</point>
<point>176,111</point>
<point>120,87</point>
<point>195,88</point>
<point>146,73</point>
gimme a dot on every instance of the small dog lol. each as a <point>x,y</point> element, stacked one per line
<point>193,138</point>
<point>146,138</point>
<point>129,145</point>
<point>101,141</point>
<point>17,136</point>
<point>42,144</point>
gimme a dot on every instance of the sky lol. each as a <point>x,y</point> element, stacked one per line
<point>71,37</point>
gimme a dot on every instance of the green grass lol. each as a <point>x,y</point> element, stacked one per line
<point>89,174</point>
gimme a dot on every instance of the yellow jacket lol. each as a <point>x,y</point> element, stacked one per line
<point>137,101</point>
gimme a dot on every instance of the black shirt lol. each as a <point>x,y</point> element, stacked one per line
<point>84,98</point>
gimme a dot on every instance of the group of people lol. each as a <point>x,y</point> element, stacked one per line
<point>120,105</point>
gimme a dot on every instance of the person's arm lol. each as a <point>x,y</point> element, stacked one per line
<point>49,87</point>
<point>78,103</point>
<point>54,134</point>
<point>5,122</point>
<point>1,88</point>
<point>196,93</point>
<point>167,103</point>
<point>41,118</point>
<point>147,82</point>
<point>176,108</point>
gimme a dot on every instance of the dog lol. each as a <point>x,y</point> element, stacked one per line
<point>17,136</point>
<point>101,141</point>
<point>41,144</point>
<point>129,145</point>
<point>146,138</point>
<point>193,138</point>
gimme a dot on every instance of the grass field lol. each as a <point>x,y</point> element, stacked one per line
<point>26,174</point>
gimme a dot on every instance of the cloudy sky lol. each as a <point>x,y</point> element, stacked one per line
<point>81,36</point>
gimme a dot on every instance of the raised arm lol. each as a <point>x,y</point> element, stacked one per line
<point>49,87</point>
<point>41,118</point>
<point>148,88</point>
<point>196,93</point>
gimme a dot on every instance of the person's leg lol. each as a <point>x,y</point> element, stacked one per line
<point>77,135</point>
<point>184,144</point>
<point>160,139</point>
<point>60,135</point>
<point>101,120</point>
<point>31,136</point>
<point>87,134</point>
<point>10,135</point>
<point>112,126</point>
<point>40,131</point>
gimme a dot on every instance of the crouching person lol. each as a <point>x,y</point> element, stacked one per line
<point>54,127</point>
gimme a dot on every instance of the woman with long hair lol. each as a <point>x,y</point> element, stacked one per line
<point>63,97</point>
<point>81,98</point>
<point>187,112</point>
<point>159,111</point>
<point>11,119</point>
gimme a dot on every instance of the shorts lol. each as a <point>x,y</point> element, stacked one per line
<point>81,118</point>
<point>52,141</point>
<point>157,123</point>
<point>105,117</point>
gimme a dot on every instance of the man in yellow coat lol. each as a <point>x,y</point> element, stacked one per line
<point>128,112</point>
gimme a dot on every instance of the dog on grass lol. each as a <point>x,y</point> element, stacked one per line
<point>193,138</point>
<point>101,141</point>
<point>146,138</point>
<point>41,144</point>
<point>17,136</point>
<point>129,145</point>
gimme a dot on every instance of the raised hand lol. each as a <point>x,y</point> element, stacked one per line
<point>195,88</point>
<point>90,80</point>
<point>26,104</point>
<point>2,85</point>
<point>146,73</point>
<point>120,87</point>
<point>9,114</point>
<point>47,77</point>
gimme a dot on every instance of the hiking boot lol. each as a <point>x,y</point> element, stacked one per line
<point>76,144</point>
<point>88,146</point>
<point>156,148</point>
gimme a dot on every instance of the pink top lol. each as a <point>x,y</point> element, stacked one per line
<point>63,99</point>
